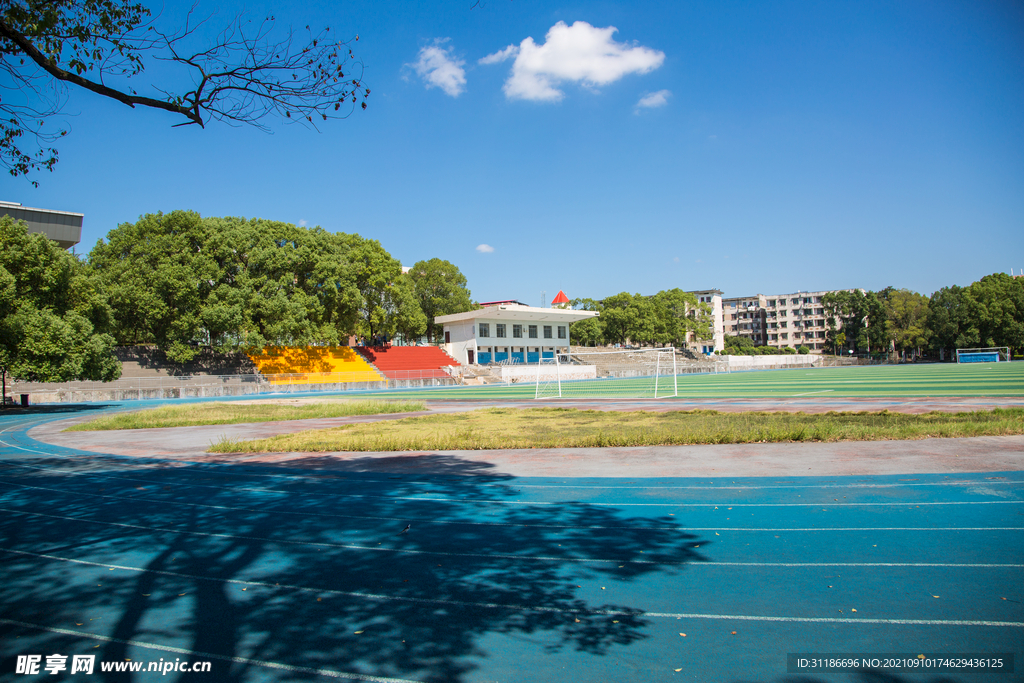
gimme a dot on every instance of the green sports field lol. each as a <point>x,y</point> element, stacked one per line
<point>932,380</point>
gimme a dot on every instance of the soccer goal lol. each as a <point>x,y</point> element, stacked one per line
<point>994,354</point>
<point>645,373</point>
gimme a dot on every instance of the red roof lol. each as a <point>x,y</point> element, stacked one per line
<point>561,298</point>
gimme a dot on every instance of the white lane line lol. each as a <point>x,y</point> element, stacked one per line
<point>499,556</point>
<point>808,393</point>
<point>157,501</point>
<point>209,655</point>
<point>523,608</point>
<point>835,620</point>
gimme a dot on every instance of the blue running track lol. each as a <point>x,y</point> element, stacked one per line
<point>276,573</point>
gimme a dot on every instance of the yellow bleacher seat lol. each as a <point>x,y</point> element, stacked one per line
<point>314,365</point>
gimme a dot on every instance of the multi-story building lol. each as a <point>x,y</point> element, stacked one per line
<point>63,227</point>
<point>744,316</point>
<point>779,320</point>
<point>712,297</point>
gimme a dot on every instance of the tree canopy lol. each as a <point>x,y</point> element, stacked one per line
<point>182,281</point>
<point>250,71</point>
<point>667,318</point>
<point>440,287</point>
<point>54,316</point>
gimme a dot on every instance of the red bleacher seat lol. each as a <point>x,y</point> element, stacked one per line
<point>408,362</point>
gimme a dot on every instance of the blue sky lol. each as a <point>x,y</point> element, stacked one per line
<point>786,146</point>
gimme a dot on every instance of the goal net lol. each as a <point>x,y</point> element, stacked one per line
<point>646,373</point>
<point>994,354</point>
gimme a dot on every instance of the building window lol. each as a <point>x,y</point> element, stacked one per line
<point>561,331</point>
<point>485,329</point>
<point>499,330</point>
<point>547,331</point>
<point>517,331</point>
<point>782,324</point>
<point>783,314</point>
<point>784,336</point>
<point>533,331</point>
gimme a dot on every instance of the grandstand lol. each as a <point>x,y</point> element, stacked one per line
<point>314,365</point>
<point>409,362</point>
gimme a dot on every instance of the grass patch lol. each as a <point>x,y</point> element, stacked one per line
<point>194,414</point>
<point>570,428</point>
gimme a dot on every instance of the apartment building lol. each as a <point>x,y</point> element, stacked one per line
<point>712,297</point>
<point>779,320</point>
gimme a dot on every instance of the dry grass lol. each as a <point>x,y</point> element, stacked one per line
<point>568,428</point>
<point>194,414</point>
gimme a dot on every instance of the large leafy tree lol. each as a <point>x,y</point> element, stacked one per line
<point>950,320</point>
<point>182,282</point>
<point>158,277</point>
<point>861,318</point>
<point>54,318</point>
<point>376,275</point>
<point>589,331</point>
<point>907,313</point>
<point>996,310</point>
<point>440,287</point>
<point>249,72</point>
<point>277,284</point>
<point>680,314</point>
<point>405,317</point>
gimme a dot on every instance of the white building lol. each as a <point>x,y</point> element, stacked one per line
<point>712,297</point>
<point>508,330</point>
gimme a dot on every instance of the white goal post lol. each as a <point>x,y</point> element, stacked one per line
<point>994,354</point>
<point>636,373</point>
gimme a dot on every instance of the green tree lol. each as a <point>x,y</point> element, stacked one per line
<point>996,310</point>
<point>251,71</point>
<point>590,331</point>
<point>277,284</point>
<point>181,281</point>
<point>839,343</point>
<point>407,318</point>
<point>376,278</point>
<point>680,314</point>
<point>630,318</point>
<point>849,311</point>
<point>949,320</point>
<point>157,276</point>
<point>907,314</point>
<point>53,314</point>
<point>441,289</point>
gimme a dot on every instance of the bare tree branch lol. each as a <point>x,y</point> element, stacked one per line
<point>249,72</point>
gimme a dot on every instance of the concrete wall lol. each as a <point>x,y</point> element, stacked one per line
<point>528,373</point>
<point>771,362</point>
<point>76,392</point>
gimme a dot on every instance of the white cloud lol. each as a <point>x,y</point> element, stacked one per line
<point>302,223</point>
<point>579,53</point>
<point>484,248</point>
<point>500,55</point>
<point>438,67</point>
<point>655,99</point>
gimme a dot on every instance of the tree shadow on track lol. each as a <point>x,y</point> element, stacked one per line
<point>309,568</point>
